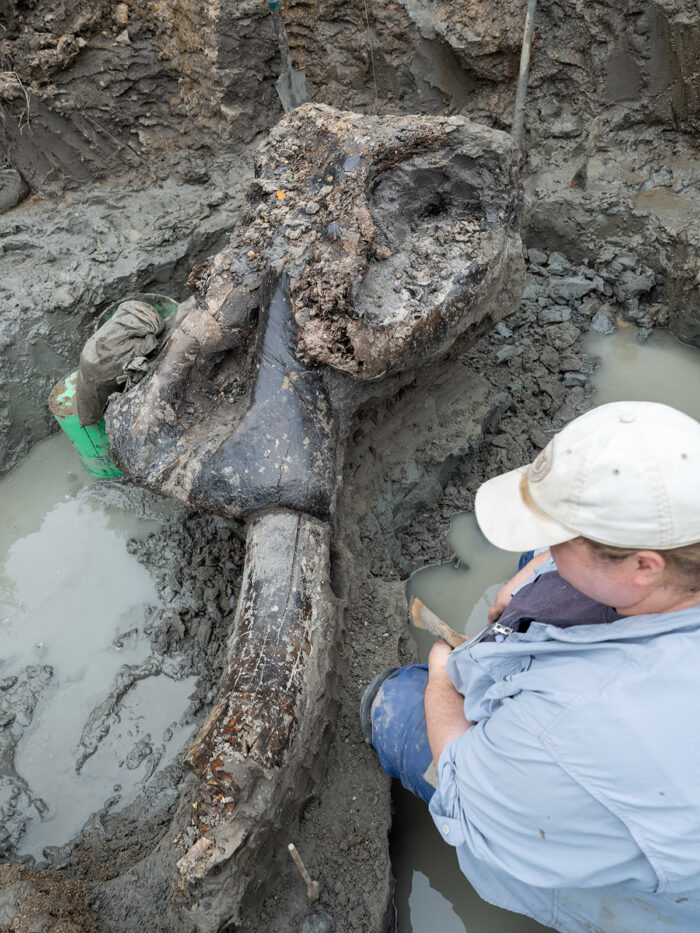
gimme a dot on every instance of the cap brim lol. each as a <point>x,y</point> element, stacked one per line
<point>508,522</point>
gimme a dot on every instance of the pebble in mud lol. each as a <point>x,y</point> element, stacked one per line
<point>603,322</point>
<point>317,923</point>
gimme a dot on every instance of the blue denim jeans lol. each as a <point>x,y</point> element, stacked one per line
<point>399,734</point>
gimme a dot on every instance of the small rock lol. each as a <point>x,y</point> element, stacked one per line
<point>558,264</point>
<point>570,363</point>
<point>631,285</point>
<point>562,336</point>
<point>532,288</point>
<point>656,315</point>
<point>503,330</point>
<point>121,14</point>
<point>550,358</point>
<point>196,173</point>
<point>573,379</point>
<point>567,127</point>
<point>312,207</point>
<point>538,437</point>
<point>570,288</point>
<point>554,314</point>
<point>7,683</point>
<point>603,322</point>
<point>317,923</point>
<point>123,38</point>
<point>13,189</point>
<point>623,261</point>
<point>537,257</point>
<point>382,252</point>
<point>508,352</point>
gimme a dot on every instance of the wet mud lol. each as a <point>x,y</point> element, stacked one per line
<point>133,639</point>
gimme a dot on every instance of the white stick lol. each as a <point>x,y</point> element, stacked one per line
<point>519,110</point>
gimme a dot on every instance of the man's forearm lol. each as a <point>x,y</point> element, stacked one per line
<point>444,713</point>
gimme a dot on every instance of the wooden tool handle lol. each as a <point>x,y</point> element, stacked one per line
<point>426,619</point>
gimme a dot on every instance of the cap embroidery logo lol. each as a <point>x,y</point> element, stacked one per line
<point>542,463</point>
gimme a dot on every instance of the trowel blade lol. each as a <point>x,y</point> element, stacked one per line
<point>292,89</point>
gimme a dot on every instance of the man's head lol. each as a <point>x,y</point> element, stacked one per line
<point>634,581</point>
<point>616,495</point>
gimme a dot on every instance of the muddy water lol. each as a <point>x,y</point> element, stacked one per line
<point>461,591</point>
<point>431,892</point>
<point>660,370</point>
<point>74,600</point>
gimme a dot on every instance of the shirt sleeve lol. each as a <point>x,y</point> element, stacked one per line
<point>502,796</point>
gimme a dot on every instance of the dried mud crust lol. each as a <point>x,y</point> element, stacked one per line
<point>415,461</point>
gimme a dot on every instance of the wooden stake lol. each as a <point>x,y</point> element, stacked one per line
<point>313,888</point>
<point>516,130</point>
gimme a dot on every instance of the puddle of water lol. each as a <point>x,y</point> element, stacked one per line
<point>68,588</point>
<point>145,737</point>
<point>462,592</point>
<point>431,891</point>
<point>661,370</point>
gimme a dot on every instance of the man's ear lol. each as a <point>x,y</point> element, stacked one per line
<point>649,568</point>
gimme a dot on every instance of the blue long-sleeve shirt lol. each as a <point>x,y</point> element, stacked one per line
<point>575,798</point>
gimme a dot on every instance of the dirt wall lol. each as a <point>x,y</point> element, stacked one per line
<point>115,85</point>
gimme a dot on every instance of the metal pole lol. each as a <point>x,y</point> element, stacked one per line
<point>519,110</point>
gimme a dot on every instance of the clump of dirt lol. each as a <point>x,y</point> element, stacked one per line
<point>31,901</point>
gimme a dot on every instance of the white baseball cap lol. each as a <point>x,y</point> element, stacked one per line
<point>625,474</point>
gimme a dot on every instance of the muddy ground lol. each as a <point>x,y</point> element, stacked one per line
<point>132,159</point>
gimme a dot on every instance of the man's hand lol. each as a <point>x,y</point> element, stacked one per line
<point>444,705</point>
<point>437,659</point>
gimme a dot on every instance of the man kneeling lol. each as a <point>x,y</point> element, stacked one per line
<point>566,748</point>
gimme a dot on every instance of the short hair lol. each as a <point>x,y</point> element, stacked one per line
<point>682,563</point>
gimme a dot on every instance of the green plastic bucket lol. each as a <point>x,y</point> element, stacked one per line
<point>91,442</point>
